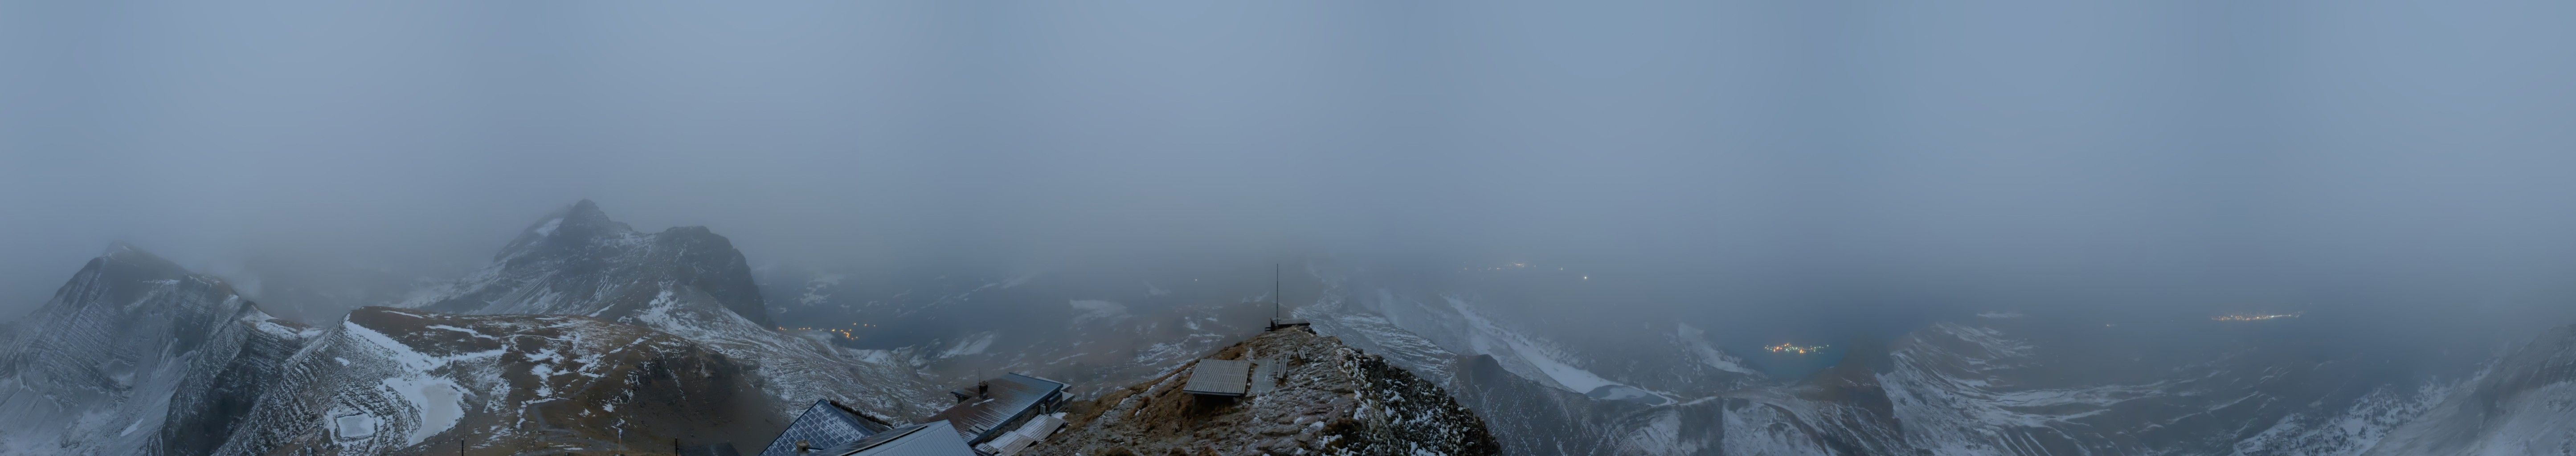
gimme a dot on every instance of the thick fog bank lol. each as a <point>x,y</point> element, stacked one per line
<point>1769,171</point>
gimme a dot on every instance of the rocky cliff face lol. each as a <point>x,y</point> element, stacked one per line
<point>1328,399</point>
<point>134,355</point>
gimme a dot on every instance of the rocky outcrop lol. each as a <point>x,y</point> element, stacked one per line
<point>1328,399</point>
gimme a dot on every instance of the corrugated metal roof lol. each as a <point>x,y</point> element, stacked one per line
<point>1011,443</point>
<point>823,425</point>
<point>712,449</point>
<point>1219,377</point>
<point>936,438</point>
<point>1009,398</point>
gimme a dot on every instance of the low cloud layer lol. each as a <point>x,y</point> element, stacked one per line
<point>1803,162</point>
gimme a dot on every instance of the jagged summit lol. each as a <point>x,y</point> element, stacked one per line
<point>127,261</point>
<point>573,226</point>
<point>578,261</point>
<point>685,281</point>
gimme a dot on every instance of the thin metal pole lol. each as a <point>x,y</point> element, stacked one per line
<point>1274,291</point>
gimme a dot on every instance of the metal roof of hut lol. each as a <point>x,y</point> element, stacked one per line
<point>1000,403</point>
<point>936,438</point>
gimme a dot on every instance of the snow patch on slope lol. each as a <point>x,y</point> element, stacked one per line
<point>975,344</point>
<point>548,229</point>
<point>404,354</point>
<point>1094,309</point>
<point>1696,343</point>
<point>436,403</point>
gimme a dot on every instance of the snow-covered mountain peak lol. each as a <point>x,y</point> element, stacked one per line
<point>125,353</point>
<point>685,281</point>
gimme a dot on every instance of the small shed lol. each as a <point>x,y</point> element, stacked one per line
<point>1284,323</point>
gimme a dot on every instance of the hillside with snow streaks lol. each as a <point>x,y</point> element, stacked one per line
<point>2525,404</point>
<point>390,380</point>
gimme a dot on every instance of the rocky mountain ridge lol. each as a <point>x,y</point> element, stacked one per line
<point>1329,399</point>
<point>686,281</point>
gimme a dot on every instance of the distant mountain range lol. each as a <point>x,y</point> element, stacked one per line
<point>584,336</point>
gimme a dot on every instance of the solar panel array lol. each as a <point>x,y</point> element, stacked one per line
<point>823,425</point>
<point>1219,377</point>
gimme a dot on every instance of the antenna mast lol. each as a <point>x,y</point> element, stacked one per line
<point>1274,291</point>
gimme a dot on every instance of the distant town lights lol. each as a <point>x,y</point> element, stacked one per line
<point>1794,349</point>
<point>2254,317</point>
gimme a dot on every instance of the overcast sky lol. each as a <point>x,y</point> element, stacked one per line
<point>1736,153</point>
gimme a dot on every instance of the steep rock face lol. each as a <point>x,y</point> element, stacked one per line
<point>392,380</point>
<point>130,345</point>
<point>210,404</point>
<point>1329,399</point>
<point>2524,405</point>
<point>685,281</point>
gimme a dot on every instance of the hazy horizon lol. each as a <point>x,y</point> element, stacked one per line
<point>1800,165</point>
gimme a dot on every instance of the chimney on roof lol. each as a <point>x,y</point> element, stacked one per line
<point>803,446</point>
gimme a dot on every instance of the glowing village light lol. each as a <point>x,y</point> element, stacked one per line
<point>1795,349</point>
